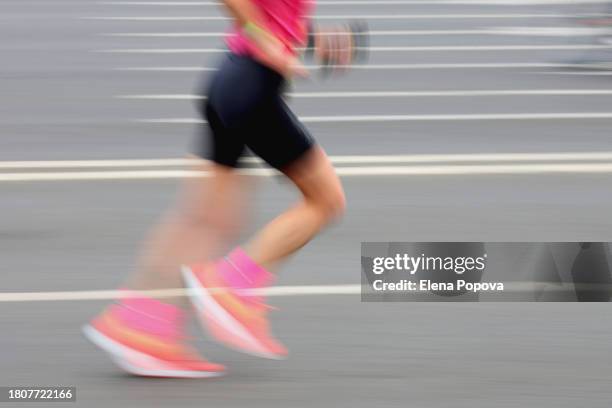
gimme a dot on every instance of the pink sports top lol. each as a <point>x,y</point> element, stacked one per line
<point>286,19</point>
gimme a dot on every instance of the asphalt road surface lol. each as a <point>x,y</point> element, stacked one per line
<point>448,85</point>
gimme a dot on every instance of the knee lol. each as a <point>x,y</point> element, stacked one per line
<point>331,206</point>
<point>338,207</point>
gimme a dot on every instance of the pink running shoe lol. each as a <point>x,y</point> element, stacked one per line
<point>147,345</point>
<point>234,318</point>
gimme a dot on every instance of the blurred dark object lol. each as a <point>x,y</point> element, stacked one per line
<point>598,18</point>
<point>591,273</point>
<point>359,42</point>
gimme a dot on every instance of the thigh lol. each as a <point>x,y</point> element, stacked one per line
<point>277,136</point>
<point>234,98</point>
<point>220,143</point>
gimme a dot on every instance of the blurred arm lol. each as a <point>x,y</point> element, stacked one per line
<point>244,11</point>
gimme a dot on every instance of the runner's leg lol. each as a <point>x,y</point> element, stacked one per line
<point>322,201</point>
<point>198,228</point>
<point>221,291</point>
<point>208,213</point>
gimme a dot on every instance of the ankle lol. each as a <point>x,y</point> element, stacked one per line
<point>240,271</point>
<point>150,315</point>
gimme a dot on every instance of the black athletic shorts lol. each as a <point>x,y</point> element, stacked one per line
<point>244,107</point>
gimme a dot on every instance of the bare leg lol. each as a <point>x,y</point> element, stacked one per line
<point>244,324</point>
<point>322,201</point>
<point>153,326</point>
<point>206,218</point>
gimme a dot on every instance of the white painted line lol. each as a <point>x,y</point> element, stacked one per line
<point>413,118</point>
<point>521,2</point>
<point>170,35</point>
<point>349,17</point>
<point>175,69</point>
<point>467,65</point>
<point>503,92</point>
<point>366,2</point>
<point>342,159</point>
<point>459,117</point>
<point>549,31</point>
<point>346,289</point>
<point>102,175</point>
<point>580,73</point>
<point>451,170</point>
<point>435,48</point>
<point>170,97</point>
<point>68,164</point>
<point>400,94</point>
<point>370,33</point>
<point>443,170</point>
<point>472,157</point>
<point>164,51</point>
<point>499,31</point>
<point>275,291</point>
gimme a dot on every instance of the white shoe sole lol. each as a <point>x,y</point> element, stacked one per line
<point>208,308</point>
<point>121,355</point>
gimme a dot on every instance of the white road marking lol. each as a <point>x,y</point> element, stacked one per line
<point>164,50</point>
<point>400,94</point>
<point>467,65</point>
<point>459,117</point>
<point>170,69</point>
<point>434,48</point>
<point>499,31</point>
<point>169,35</point>
<point>472,157</point>
<point>370,33</point>
<point>549,31</point>
<point>274,291</point>
<point>521,2</point>
<point>342,159</point>
<point>585,73</point>
<point>413,118</point>
<point>443,170</point>
<point>351,16</point>
<point>180,97</point>
<point>367,2</point>
<point>67,164</point>
<point>415,158</point>
<point>346,289</point>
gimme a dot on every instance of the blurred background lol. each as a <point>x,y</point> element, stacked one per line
<point>473,120</point>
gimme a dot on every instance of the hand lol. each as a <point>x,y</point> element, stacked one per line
<point>271,52</point>
<point>334,47</point>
